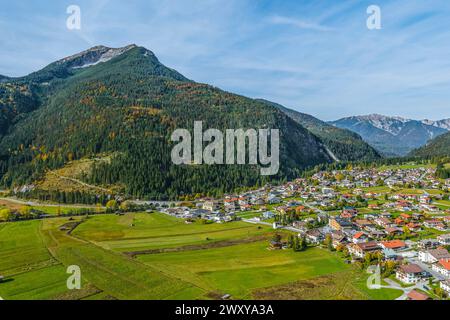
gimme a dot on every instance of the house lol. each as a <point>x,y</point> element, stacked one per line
<point>314,236</point>
<point>272,199</point>
<point>409,273</point>
<point>443,267</point>
<point>435,224</point>
<point>393,231</point>
<point>275,245</point>
<point>414,227</point>
<point>211,205</point>
<point>349,212</point>
<point>428,244</point>
<point>363,223</point>
<point>360,249</point>
<point>395,245</point>
<point>301,225</point>
<point>230,204</point>
<point>383,222</point>
<point>327,190</point>
<point>268,215</point>
<point>417,296</point>
<point>444,239</point>
<point>433,255</point>
<point>338,238</point>
<point>340,224</point>
<point>360,237</point>
<point>445,285</point>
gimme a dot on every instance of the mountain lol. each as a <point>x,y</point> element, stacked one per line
<point>392,136</point>
<point>437,147</point>
<point>443,124</point>
<point>123,104</point>
<point>344,144</point>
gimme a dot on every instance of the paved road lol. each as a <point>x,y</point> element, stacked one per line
<point>427,268</point>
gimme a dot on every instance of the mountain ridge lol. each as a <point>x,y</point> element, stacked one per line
<point>344,144</point>
<point>393,136</point>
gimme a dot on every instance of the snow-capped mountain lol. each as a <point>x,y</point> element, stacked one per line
<point>94,56</point>
<point>395,136</point>
<point>443,124</point>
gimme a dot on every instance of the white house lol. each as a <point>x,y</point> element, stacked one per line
<point>445,285</point>
<point>444,239</point>
<point>443,267</point>
<point>360,237</point>
<point>409,273</point>
<point>433,255</point>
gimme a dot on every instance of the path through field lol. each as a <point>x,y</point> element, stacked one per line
<point>38,204</point>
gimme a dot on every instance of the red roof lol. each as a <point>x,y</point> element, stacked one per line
<point>415,295</point>
<point>393,244</point>
<point>445,263</point>
<point>358,235</point>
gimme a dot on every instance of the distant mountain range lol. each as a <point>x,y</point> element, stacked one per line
<point>394,136</point>
<point>343,144</point>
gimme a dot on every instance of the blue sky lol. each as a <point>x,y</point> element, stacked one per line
<point>316,56</point>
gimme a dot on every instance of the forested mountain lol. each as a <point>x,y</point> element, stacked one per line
<point>344,144</point>
<point>437,147</point>
<point>125,103</point>
<point>392,136</point>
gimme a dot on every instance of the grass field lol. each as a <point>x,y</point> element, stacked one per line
<point>239,269</point>
<point>196,261</point>
<point>142,231</point>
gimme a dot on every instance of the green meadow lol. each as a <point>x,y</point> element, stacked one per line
<point>143,231</point>
<point>176,261</point>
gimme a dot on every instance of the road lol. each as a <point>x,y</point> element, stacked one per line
<point>427,268</point>
<point>157,202</point>
<point>270,225</point>
<point>87,185</point>
<point>37,204</point>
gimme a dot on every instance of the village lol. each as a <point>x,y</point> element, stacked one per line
<point>397,218</point>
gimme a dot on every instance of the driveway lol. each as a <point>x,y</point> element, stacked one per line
<point>394,285</point>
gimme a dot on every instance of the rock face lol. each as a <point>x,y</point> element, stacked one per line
<point>392,136</point>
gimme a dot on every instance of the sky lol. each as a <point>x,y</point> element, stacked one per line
<point>316,56</point>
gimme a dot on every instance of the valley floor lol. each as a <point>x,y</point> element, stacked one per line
<point>156,256</point>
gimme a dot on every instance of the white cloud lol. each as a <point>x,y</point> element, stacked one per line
<point>281,20</point>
